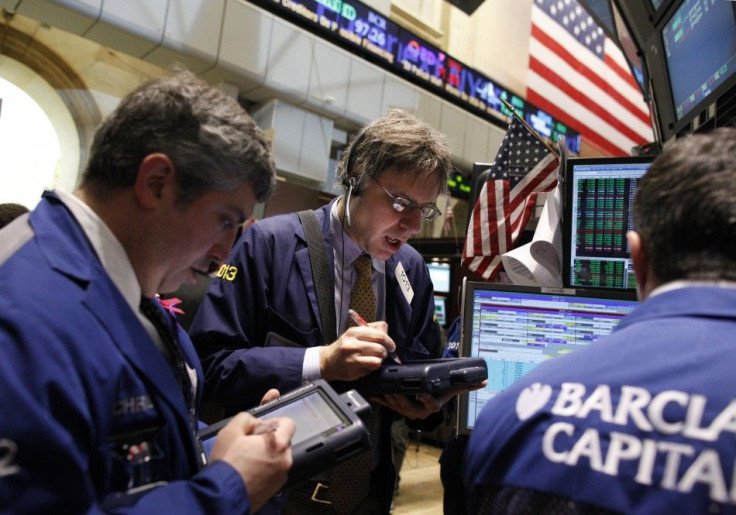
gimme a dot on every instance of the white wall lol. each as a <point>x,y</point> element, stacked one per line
<point>266,57</point>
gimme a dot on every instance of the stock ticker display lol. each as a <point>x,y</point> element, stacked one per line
<point>606,215</point>
<point>601,213</point>
<point>369,34</point>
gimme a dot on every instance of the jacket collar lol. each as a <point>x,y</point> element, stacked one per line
<point>68,250</point>
<point>693,300</point>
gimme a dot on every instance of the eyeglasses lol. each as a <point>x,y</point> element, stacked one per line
<point>403,204</point>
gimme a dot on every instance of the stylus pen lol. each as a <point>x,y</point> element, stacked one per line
<point>265,426</point>
<point>360,321</point>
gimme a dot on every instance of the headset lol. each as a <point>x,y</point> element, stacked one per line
<point>349,180</point>
<point>351,186</point>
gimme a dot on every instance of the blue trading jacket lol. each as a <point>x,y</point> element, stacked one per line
<point>641,421</point>
<point>266,285</point>
<point>88,406</point>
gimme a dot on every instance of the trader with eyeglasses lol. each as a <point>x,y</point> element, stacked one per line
<point>393,172</point>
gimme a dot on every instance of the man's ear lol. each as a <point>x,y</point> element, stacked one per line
<point>155,174</point>
<point>640,260</point>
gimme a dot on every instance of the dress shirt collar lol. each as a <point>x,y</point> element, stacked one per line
<point>109,250</point>
<point>346,250</point>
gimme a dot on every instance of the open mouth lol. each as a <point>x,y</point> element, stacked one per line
<point>394,243</point>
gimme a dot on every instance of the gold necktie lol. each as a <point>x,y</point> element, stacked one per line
<point>362,296</point>
<point>351,479</point>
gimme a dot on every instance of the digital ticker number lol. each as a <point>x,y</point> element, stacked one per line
<point>360,27</point>
<point>353,23</point>
<point>373,29</point>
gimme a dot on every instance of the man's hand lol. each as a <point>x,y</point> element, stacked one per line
<point>262,460</point>
<point>357,352</point>
<point>422,405</point>
<point>271,395</point>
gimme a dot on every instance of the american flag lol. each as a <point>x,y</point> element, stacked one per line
<point>582,78</point>
<point>523,167</point>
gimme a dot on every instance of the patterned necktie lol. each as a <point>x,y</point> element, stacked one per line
<point>351,479</point>
<point>362,296</point>
<point>173,352</point>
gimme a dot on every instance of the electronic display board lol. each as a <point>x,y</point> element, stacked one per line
<point>700,50</point>
<point>372,36</point>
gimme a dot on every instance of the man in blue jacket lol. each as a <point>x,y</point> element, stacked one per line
<point>98,404</point>
<point>393,171</point>
<point>643,420</point>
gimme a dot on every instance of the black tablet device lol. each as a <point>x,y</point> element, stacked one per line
<point>329,428</point>
<point>431,376</point>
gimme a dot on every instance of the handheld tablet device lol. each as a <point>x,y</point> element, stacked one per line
<point>431,376</point>
<point>329,428</point>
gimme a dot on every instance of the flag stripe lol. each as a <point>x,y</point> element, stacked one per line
<point>590,88</point>
<point>541,178</point>
<point>523,166</point>
<point>589,114</point>
<point>575,70</point>
<point>623,72</point>
<point>565,108</point>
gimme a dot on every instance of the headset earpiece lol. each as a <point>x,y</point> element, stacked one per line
<point>351,186</point>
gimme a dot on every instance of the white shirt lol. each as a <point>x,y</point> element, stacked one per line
<point>116,263</point>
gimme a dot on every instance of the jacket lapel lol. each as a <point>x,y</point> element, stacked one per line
<point>69,251</point>
<point>398,310</point>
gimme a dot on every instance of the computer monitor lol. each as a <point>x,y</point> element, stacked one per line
<point>440,310</point>
<point>691,59</point>
<point>440,275</point>
<point>516,328</point>
<point>598,212</point>
<point>700,50</point>
<point>630,50</point>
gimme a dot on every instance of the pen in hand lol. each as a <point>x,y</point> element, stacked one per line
<point>265,426</point>
<point>360,321</point>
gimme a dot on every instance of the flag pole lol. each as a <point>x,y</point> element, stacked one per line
<point>529,128</point>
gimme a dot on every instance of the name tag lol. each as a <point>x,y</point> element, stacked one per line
<point>404,282</point>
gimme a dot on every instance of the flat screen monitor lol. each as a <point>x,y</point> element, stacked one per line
<point>699,40</point>
<point>598,212</point>
<point>630,49</point>
<point>440,310</point>
<point>656,4</point>
<point>440,274</point>
<point>517,328</point>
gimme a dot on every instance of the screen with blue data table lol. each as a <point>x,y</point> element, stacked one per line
<point>598,212</point>
<point>700,51</point>
<point>517,328</point>
<point>440,275</point>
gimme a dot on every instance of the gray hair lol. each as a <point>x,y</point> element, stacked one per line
<point>213,143</point>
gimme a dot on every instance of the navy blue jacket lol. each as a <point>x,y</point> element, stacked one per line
<point>266,285</point>
<point>641,421</point>
<point>81,379</point>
